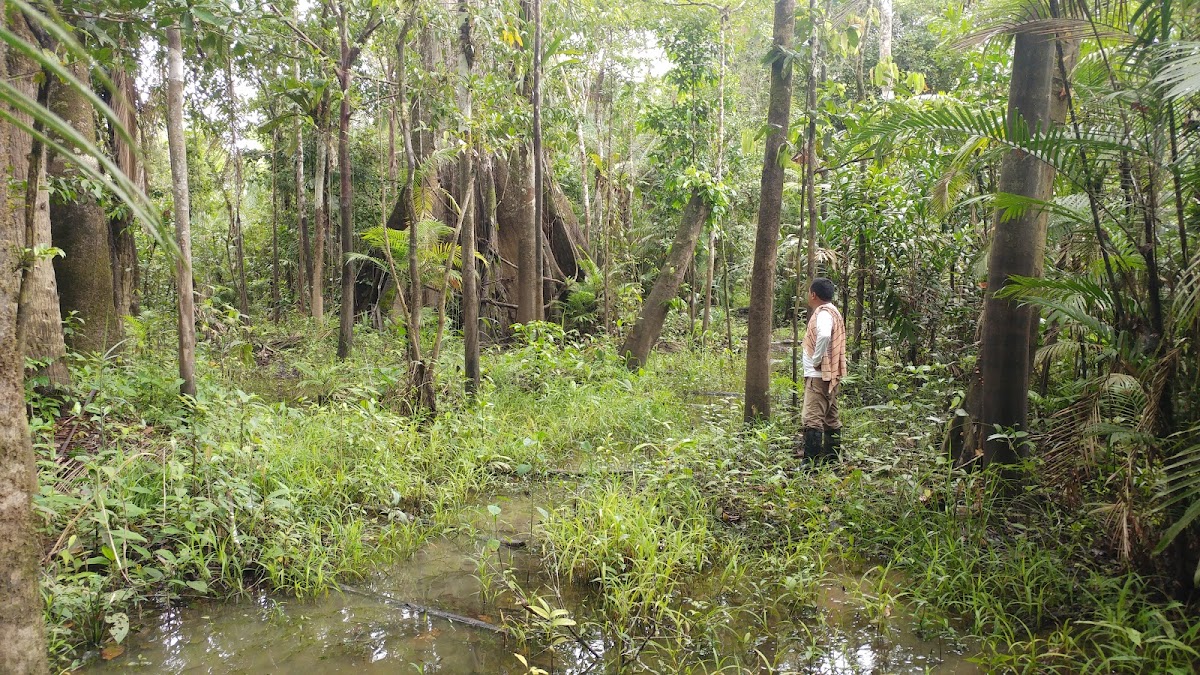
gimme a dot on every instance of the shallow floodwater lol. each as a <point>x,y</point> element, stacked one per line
<point>375,626</point>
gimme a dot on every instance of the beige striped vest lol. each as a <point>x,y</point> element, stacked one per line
<point>833,365</point>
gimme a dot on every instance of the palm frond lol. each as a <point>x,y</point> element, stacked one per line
<point>1070,299</point>
<point>59,136</point>
<point>1012,206</point>
<point>1180,73</point>
<point>1185,308</point>
<point>956,177</point>
<point>1059,147</point>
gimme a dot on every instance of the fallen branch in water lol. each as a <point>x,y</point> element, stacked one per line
<point>424,609</point>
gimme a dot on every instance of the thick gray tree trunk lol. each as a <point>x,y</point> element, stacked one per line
<point>80,228</point>
<point>766,240</point>
<point>641,339</point>
<point>39,320</point>
<point>23,643</point>
<point>1018,248</point>
<point>177,147</point>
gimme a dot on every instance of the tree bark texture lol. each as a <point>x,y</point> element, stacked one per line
<point>183,227</point>
<point>885,46</point>
<point>304,273</point>
<point>320,221</point>
<point>345,195</point>
<point>122,243</point>
<point>563,241</point>
<point>539,195</point>
<point>80,228</point>
<point>1018,247</point>
<point>639,342</point>
<point>39,321</point>
<point>466,182</point>
<point>23,647</point>
<point>518,199</point>
<point>235,225</point>
<point>766,240</point>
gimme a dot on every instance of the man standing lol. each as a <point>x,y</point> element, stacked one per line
<point>824,367</point>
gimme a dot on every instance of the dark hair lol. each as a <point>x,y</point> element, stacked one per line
<point>823,288</point>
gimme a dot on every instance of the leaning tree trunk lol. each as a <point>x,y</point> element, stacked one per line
<point>23,647</point>
<point>766,240</point>
<point>641,339</point>
<point>183,228</point>
<point>1017,249</point>
<point>80,228</point>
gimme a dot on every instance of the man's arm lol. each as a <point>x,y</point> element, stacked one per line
<point>824,335</point>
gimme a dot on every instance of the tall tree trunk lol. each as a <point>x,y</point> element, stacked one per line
<point>860,273</point>
<point>122,242</point>
<point>1018,246</point>
<point>584,164</point>
<point>641,339</point>
<point>810,147</point>
<point>539,183</point>
<point>320,216</point>
<point>528,276</point>
<point>885,47</point>
<point>466,181</point>
<point>239,245</point>
<point>1177,182</point>
<point>711,258</point>
<point>304,271</point>
<point>39,320</point>
<point>80,229</point>
<point>345,194</point>
<point>23,647</point>
<point>766,240</point>
<point>183,229</point>
<point>276,300</point>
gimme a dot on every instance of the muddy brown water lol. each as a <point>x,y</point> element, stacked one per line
<point>374,628</point>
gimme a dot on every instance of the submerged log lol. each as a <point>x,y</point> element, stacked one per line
<point>424,609</point>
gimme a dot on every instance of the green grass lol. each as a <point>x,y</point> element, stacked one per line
<point>293,474</point>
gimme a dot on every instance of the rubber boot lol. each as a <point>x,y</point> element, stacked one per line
<point>813,447</point>
<point>833,446</point>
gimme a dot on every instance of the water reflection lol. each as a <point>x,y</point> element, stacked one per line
<point>365,632</point>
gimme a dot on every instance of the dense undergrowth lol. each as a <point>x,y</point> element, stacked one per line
<point>292,472</point>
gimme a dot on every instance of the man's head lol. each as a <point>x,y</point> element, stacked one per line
<point>820,292</point>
